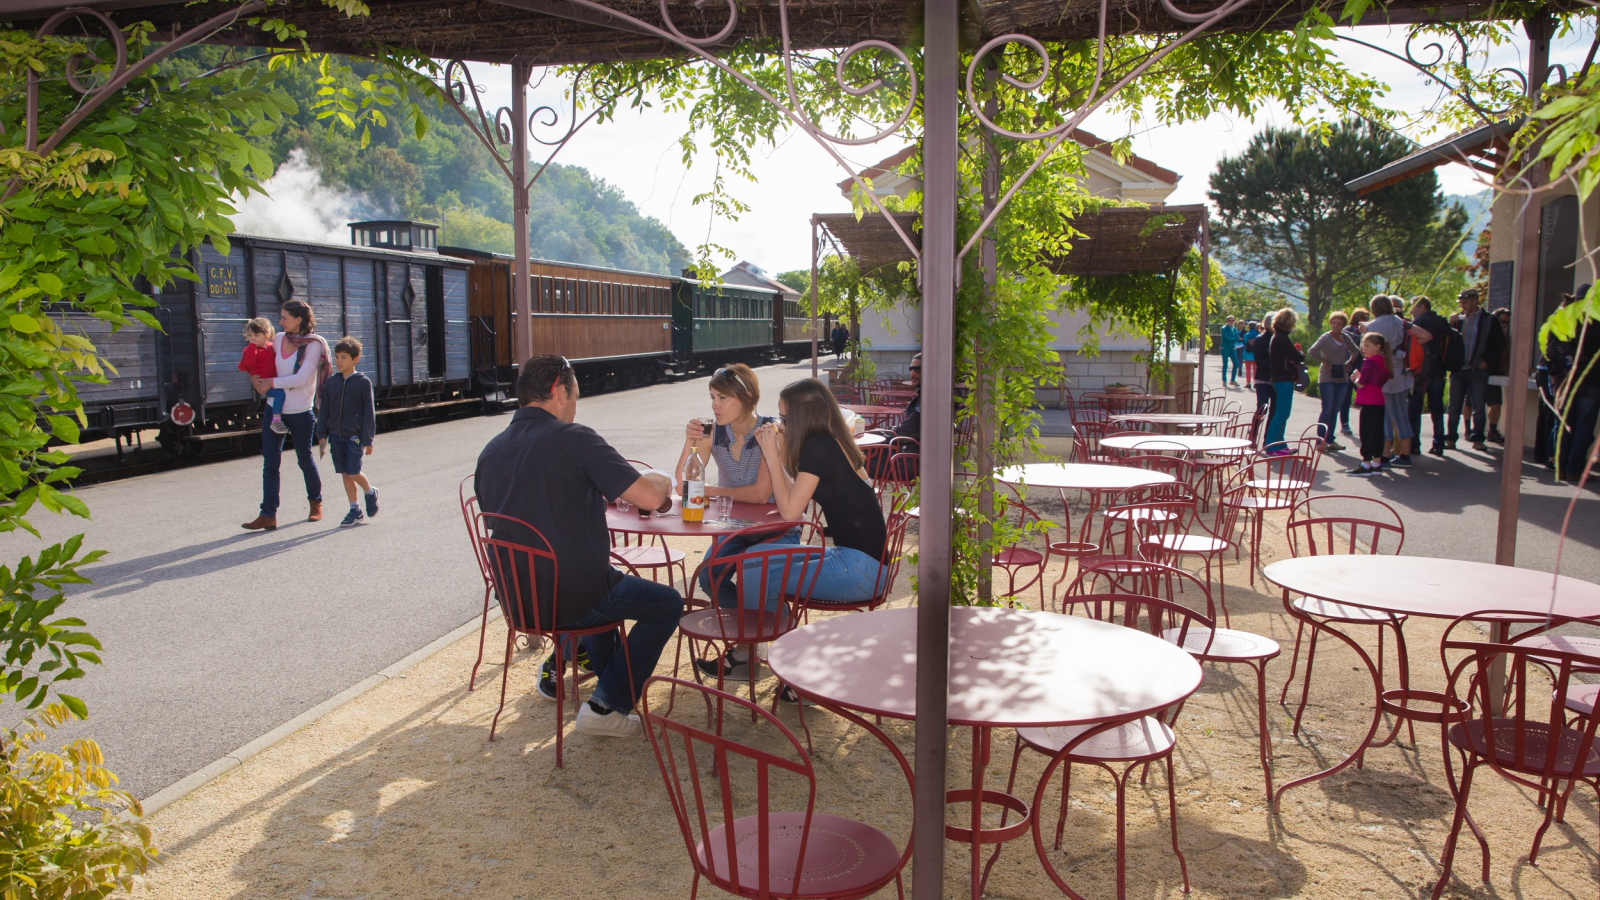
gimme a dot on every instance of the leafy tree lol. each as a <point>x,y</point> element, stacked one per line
<point>843,291</point>
<point>1283,207</point>
<point>1245,302</point>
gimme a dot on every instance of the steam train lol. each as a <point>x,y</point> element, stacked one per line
<point>436,324</point>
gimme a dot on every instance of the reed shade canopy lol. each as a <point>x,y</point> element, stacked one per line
<point>551,32</point>
<point>1109,241</point>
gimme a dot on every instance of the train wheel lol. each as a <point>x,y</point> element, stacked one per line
<point>178,442</point>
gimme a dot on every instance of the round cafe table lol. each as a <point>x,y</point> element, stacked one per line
<point>1189,443</point>
<point>1181,420</point>
<point>1421,586</point>
<point>671,524</point>
<point>1082,476</point>
<point>870,440</point>
<point>1008,668</point>
<point>874,414</point>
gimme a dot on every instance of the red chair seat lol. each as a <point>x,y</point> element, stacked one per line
<point>1227,644</point>
<point>1536,747</point>
<point>1191,543</point>
<point>649,556</point>
<point>1259,503</point>
<point>1018,556</point>
<point>1136,740</point>
<point>725,625</point>
<point>1340,612</point>
<point>1566,643</point>
<point>1158,515</point>
<point>844,858</point>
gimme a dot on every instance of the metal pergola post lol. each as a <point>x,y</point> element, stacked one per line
<point>941,71</point>
<point>1205,299</point>
<point>521,286</point>
<point>814,296</point>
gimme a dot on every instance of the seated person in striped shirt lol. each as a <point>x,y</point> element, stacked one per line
<point>731,442</point>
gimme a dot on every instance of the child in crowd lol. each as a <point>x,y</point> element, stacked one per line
<point>257,360</point>
<point>347,424</point>
<point>1369,381</point>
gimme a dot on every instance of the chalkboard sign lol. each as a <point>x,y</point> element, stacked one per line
<point>1500,284</point>
<point>222,281</point>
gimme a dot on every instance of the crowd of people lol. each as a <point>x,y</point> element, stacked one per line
<point>1393,361</point>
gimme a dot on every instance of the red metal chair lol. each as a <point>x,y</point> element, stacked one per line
<point>1216,645</point>
<point>1194,537</point>
<point>1527,741</point>
<point>735,839</point>
<point>469,513</point>
<point>517,555</point>
<point>1117,747</point>
<point>1272,483</point>
<point>754,574</point>
<point>650,553</point>
<point>1333,524</point>
<point>893,548</point>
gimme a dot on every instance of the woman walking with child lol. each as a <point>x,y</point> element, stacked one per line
<point>302,364</point>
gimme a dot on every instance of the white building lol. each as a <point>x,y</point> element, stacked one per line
<point>894,337</point>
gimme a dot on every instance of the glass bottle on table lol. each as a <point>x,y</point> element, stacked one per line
<point>694,489</point>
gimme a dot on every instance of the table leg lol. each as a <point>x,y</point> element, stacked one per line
<point>980,764</point>
<point>1377,707</point>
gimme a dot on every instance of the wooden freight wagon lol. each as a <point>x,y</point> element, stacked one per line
<point>792,330</point>
<point>721,323</point>
<point>614,326</point>
<point>408,309</point>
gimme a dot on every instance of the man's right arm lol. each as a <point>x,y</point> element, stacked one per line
<point>651,491</point>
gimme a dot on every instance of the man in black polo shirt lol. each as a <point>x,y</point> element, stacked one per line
<point>557,476</point>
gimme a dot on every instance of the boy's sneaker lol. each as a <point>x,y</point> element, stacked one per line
<point>353,517</point>
<point>1400,462</point>
<point>609,723</point>
<point>547,678</point>
<point>1362,471</point>
<point>278,426</point>
<point>372,502</point>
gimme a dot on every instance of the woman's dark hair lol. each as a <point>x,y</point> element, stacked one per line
<point>1382,305</point>
<point>301,310</point>
<point>1359,315</point>
<point>739,382</point>
<point>809,408</point>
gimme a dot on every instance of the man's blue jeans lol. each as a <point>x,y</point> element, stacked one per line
<point>1573,447</point>
<point>1473,385</point>
<point>654,610</point>
<point>1282,397</point>
<point>1333,394</point>
<point>300,427</point>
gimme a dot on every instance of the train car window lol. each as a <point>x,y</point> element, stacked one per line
<point>405,238</point>
<point>544,295</point>
<point>561,297</point>
<point>608,294</point>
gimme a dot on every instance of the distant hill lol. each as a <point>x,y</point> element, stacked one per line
<point>448,177</point>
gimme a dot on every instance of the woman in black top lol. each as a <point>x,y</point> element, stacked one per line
<point>813,456</point>
<point>1261,348</point>
<point>1283,368</point>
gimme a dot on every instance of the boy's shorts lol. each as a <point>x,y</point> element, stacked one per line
<point>1397,416</point>
<point>346,453</point>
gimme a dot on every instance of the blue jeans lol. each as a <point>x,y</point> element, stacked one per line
<point>1334,395</point>
<point>300,426</point>
<point>654,610</point>
<point>1573,447</point>
<point>1344,411</point>
<point>275,402</point>
<point>1465,385</point>
<point>1282,396</point>
<point>1230,355</point>
<point>841,575</point>
<point>727,591</point>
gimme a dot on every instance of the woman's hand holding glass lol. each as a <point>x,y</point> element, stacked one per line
<point>695,431</point>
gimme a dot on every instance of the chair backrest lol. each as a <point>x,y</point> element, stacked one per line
<point>1284,478</point>
<point>469,514</point>
<point>1151,615</point>
<point>1146,579</point>
<point>1327,524</point>
<point>522,568</point>
<point>1187,401</point>
<point>639,464</point>
<point>714,781</point>
<point>1531,742</point>
<point>772,585</point>
<point>1089,412</point>
<point>903,469</point>
<point>893,548</point>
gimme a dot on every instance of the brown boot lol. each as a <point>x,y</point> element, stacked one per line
<point>261,523</point>
<point>316,511</point>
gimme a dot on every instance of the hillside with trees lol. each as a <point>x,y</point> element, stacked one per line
<point>447,176</point>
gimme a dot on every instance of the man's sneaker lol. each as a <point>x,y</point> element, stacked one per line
<point>607,724</point>
<point>1362,472</point>
<point>730,666</point>
<point>1495,437</point>
<point>1332,445</point>
<point>581,657</point>
<point>547,678</point>
<point>1436,450</point>
<point>1480,446</point>
<point>353,517</point>
<point>1400,462</point>
<point>372,502</point>
<point>1347,432</point>
<point>278,426</point>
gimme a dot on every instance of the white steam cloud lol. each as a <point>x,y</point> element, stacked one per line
<point>298,205</point>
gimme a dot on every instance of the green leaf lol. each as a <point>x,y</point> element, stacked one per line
<point>24,323</point>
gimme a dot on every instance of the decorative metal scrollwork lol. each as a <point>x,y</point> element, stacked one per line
<point>1441,58</point>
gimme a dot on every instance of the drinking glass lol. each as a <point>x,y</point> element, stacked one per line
<point>724,508</point>
<point>623,506</point>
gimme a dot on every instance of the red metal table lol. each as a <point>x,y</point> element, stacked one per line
<point>1188,443</point>
<point>1126,401</point>
<point>1081,476</point>
<point>1181,420</point>
<point>1008,669</point>
<point>671,524</point>
<point>875,415</point>
<point>870,440</point>
<point>1427,587</point>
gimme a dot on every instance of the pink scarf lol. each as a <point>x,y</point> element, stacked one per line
<point>324,363</point>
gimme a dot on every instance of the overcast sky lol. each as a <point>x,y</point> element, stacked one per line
<point>639,154</point>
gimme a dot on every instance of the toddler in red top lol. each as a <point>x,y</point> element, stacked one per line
<point>258,361</point>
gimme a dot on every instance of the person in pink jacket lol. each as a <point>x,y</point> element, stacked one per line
<point>1370,379</point>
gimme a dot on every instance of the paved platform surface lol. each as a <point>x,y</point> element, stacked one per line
<point>214,635</point>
